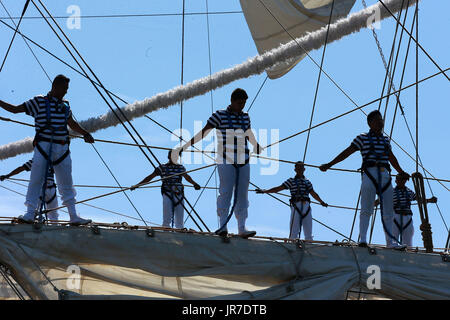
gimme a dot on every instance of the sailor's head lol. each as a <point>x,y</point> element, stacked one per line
<point>299,168</point>
<point>401,179</point>
<point>173,156</point>
<point>60,85</point>
<point>375,121</point>
<point>238,99</point>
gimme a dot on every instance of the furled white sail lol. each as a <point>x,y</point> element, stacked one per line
<point>128,264</point>
<point>256,65</point>
<point>276,22</point>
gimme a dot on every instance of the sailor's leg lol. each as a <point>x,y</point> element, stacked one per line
<point>227,180</point>
<point>307,221</point>
<point>368,193</point>
<point>167,211</point>
<point>63,173</point>
<point>294,223</point>
<point>50,195</point>
<point>408,232</point>
<point>242,204</point>
<point>388,208</point>
<point>395,227</point>
<point>179,215</point>
<point>37,178</point>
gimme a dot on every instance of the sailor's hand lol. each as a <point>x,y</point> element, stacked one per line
<point>325,167</point>
<point>3,177</point>
<point>197,186</point>
<point>403,175</point>
<point>132,188</point>
<point>432,200</point>
<point>260,191</point>
<point>88,138</point>
<point>324,204</point>
<point>258,149</point>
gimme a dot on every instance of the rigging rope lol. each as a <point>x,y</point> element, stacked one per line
<point>318,80</point>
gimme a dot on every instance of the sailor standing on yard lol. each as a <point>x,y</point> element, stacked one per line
<point>376,179</point>
<point>50,199</point>
<point>233,157</point>
<point>301,214</point>
<point>403,222</point>
<point>52,115</point>
<point>172,190</point>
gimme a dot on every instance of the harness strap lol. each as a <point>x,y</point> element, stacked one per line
<point>401,228</point>
<point>51,199</point>
<point>302,216</point>
<point>47,156</point>
<point>236,183</point>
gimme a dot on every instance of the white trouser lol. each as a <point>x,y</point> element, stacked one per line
<point>368,194</point>
<point>49,193</point>
<point>407,234</point>
<point>296,220</point>
<point>227,176</point>
<point>177,212</point>
<point>63,173</point>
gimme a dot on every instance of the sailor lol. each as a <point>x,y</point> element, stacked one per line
<point>301,215</point>
<point>52,115</point>
<point>172,190</point>
<point>376,153</point>
<point>403,222</point>
<point>51,200</point>
<point>233,130</point>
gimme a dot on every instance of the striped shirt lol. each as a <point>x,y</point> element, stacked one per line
<point>402,198</point>
<point>173,183</point>
<point>299,187</point>
<point>50,178</point>
<point>59,113</point>
<point>373,148</point>
<point>232,135</point>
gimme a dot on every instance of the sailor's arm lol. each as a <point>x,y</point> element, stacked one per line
<point>251,138</point>
<point>340,157</point>
<point>12,173</point>
<point>316,196</point>
<point>191,181</point>
<point>394,162</point>
<point>145,180</point>
<point>272,190</point>
<point>13,109</point>
<point>75,126</point>
<point>199,136</point>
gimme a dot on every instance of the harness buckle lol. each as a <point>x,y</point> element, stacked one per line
<point>372,251</point>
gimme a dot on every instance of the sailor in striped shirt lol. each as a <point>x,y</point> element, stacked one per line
<point>172,190</point>
<point>52,115</point>
<point>403,221</point>
<point>377,155</point>
<point>233,130</point>
<point>300,189</point>
<point>51,200</point>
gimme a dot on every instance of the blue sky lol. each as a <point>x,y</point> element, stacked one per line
<point>138,57</point>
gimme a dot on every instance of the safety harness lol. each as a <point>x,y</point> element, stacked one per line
<point>367,163</point>
<point>299,197</point>
<point>170,189</point>
<point>50,164</point>
<point>236,166</point>
<point>403,210</point>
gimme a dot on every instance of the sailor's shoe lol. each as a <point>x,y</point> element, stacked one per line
<point>78,221</point>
